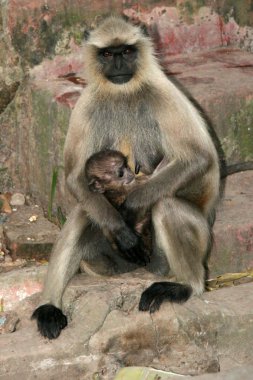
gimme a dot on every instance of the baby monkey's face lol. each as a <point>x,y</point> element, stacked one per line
<point>109,171</point>
<point>116,174</point>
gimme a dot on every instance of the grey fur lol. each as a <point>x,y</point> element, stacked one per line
<point>147,118</point>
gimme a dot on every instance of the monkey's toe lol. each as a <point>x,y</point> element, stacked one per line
<point>157,293</point>
<point>50,320</point>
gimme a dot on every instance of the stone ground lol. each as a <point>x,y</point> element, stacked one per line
<point>106,332</point>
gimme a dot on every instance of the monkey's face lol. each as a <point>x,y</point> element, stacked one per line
<point>117,175</point>
<point>109,171</point>
<point>118,63</point>
<point>119,58</point>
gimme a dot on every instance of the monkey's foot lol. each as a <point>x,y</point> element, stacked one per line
<point>157,293</point>
<point>50,320</point>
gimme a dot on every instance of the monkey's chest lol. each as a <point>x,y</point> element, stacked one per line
<point>131,130</point>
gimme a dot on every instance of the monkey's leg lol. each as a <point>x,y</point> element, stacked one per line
<point>100,257</point>
<point>183,234</point>
<point>64,263</point>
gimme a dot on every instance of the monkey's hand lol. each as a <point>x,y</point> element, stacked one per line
<point>128,215</point>
<point>140,198</point>
<point>129,246</point>
<point>50,320</point>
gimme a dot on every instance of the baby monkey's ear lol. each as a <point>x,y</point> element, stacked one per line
<point>86,34</point>
<point>96,187</point>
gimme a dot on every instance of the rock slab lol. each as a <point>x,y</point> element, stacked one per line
<point>29,234</point>
<point>107,332</point>
<point>233,229</point>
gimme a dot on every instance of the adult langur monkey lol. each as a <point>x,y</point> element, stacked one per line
<point>130,105</point>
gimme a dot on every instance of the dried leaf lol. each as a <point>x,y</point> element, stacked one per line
<point>5,205</point>
<point>231,276</point>
<point>229,279</point>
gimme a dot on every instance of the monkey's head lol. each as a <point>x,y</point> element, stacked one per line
<point>108,170</point>
<point>118,56</point>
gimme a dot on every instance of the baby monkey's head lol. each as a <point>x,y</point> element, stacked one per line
<point>108,170</point>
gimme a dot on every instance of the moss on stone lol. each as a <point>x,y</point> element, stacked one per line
<point>200,3</point>
<point>40,41</point>
<point>189,7</point>
<point>242,10</point>
<point>5,178</point>
<point>48,117</point>
<point>50,123</point>
<point>7,94</point>
<point>239,142</point>
<point>1,21</point>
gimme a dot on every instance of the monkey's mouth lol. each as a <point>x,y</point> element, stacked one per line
<point>120,79</point>
<point>129,181</point>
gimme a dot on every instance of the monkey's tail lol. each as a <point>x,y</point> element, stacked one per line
<point>157,293</point>
<point>236,168</point>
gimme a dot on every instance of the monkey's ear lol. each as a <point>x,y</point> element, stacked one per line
<point>96,187</point>
<point>86,34</point>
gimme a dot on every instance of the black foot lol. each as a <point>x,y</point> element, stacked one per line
<point>50,320</point>
<point>157,293</point>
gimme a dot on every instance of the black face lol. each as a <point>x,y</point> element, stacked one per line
<point>119,63</point>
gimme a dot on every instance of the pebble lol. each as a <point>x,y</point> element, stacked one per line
<point>17,199</point>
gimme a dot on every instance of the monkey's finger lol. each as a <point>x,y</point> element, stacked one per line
<point>129,256</point>
<point>145,301</point>
<point>145,253</point>
<point>50,320</point>
<point>133,256</point>
<point>128,216</point>
<point>156,303</point>
<point>157,293</point>
<point>126,239</point>
<point>141,256</point>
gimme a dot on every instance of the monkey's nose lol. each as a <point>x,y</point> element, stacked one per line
<point>117,62</point>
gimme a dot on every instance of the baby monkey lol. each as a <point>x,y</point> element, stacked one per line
<point>108,173</point>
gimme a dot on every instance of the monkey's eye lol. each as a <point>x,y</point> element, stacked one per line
<point>121,173</point>
<point>127,51</point>
<point>107,54</point>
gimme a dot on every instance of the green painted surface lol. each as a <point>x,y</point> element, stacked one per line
<point>141,373</point>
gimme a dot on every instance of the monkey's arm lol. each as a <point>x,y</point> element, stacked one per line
<point>78,147</point>
<point>167,181</point>
<point>98,209</point>
<point>100,212</point>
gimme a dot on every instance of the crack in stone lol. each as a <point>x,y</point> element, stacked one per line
<point>158,351</point>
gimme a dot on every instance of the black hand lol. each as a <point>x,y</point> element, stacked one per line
<point>158,292</point>
<point>126,239</point>
<point>50,320</point>
<point>129,216</point>
<point>131,247</point>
